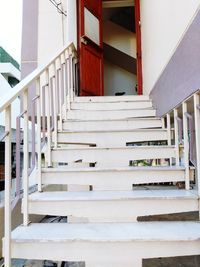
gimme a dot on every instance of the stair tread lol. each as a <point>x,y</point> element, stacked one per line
<point>108,232</point>
<point>115,119</point>
<point>118,131</point>
<point>113,195</point>
<point>114,148</point>
<point>123,98</point>
<point>129,169</point>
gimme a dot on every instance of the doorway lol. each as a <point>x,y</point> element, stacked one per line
<point>109,47</point>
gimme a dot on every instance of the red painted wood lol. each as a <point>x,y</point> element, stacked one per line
<point>90,54</point>
<point>139,47</point>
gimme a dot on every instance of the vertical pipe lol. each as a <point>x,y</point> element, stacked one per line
<point>176,136</point>
<point>8,179</point>
<point>26,160</point>
<point>39,159</point>
<point>186,146</point>
<point>47,93</point>
<point>197,136</point>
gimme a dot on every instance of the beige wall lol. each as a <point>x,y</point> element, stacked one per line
<point>163,25</point>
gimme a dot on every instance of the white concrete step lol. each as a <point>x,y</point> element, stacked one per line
<point>104,99</point>
<point>112,125</point>
<point>102,244</point>
<point>112,178</point>
<point>112,156</point>
<point>111,105</point>
<point>109,114</point>
<point>113,206</point>
<point>112,138</point>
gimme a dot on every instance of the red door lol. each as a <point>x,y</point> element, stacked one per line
<point>90,47</point>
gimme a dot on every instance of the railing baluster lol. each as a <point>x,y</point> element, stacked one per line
<point>197,136</point>
<point>71,75</point>
<point>60,92</point>
<point>26,160</point>
<point>8,185</point>
<point>39,159</point>
<point>47,93</point>
<point>169,141</point>
<point>55,110</point>
<point>68,81</point>
<point>176,138</point>
<point>186,146</point>
<point>64,84</point>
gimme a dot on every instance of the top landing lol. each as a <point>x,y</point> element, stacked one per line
<point>124,98</point>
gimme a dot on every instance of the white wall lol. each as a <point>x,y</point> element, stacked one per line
<point>72,21</point>
<point>51,30</point>
<point>163,24</point>
<point>118,80</point>
<point>119,38</point>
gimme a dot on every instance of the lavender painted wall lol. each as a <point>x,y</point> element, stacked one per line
<point>29,36</point>
<point>181,76</point>
<point>29,55</point>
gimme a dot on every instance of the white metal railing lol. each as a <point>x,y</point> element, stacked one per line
<point>183,129</point>
<point>55,84</point>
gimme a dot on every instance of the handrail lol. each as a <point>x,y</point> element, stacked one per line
<point>20,87</point>
<point>55,83</point>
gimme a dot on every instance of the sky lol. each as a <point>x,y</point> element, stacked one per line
<point>11,27</point>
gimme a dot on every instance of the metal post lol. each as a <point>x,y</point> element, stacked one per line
<point>26,160</point>
<point>186,146</point>
<point>8,184</point>
<point>176,136</point>
<point>39,159</point>
<point>64,84</point>
<point>60,92</point>
<point>197,136</point>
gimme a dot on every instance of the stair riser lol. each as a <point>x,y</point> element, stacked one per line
<point>109,115</point>
<point>103,99</point>
<point>112,106</point>
<point>103,252</point>
<point>111,125</point>
<point>116,180</point>
<point>112,157</point>
<point>95,211</point>
<point>111,139</point>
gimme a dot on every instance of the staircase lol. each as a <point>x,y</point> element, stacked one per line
<point>105,200</point>
<point>107,162</point>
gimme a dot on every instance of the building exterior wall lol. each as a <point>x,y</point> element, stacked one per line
<point>163,24</point>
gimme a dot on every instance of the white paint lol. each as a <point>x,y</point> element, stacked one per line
<point>117,79</point>
<point>10,70</point>
<point>103,99</point>
<point>163,24</point>
<point>51,30</point>
<point>72,22</point>
<point>92,26</point>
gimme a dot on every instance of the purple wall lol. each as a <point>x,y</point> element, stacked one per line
<point>181,76</point>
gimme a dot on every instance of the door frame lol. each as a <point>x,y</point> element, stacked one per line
<point>138,47</point>
<point>138,43</point>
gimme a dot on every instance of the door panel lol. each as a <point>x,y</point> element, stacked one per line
<point>90,47</point>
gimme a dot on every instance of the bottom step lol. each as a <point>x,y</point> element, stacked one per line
<point>108,243</point>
